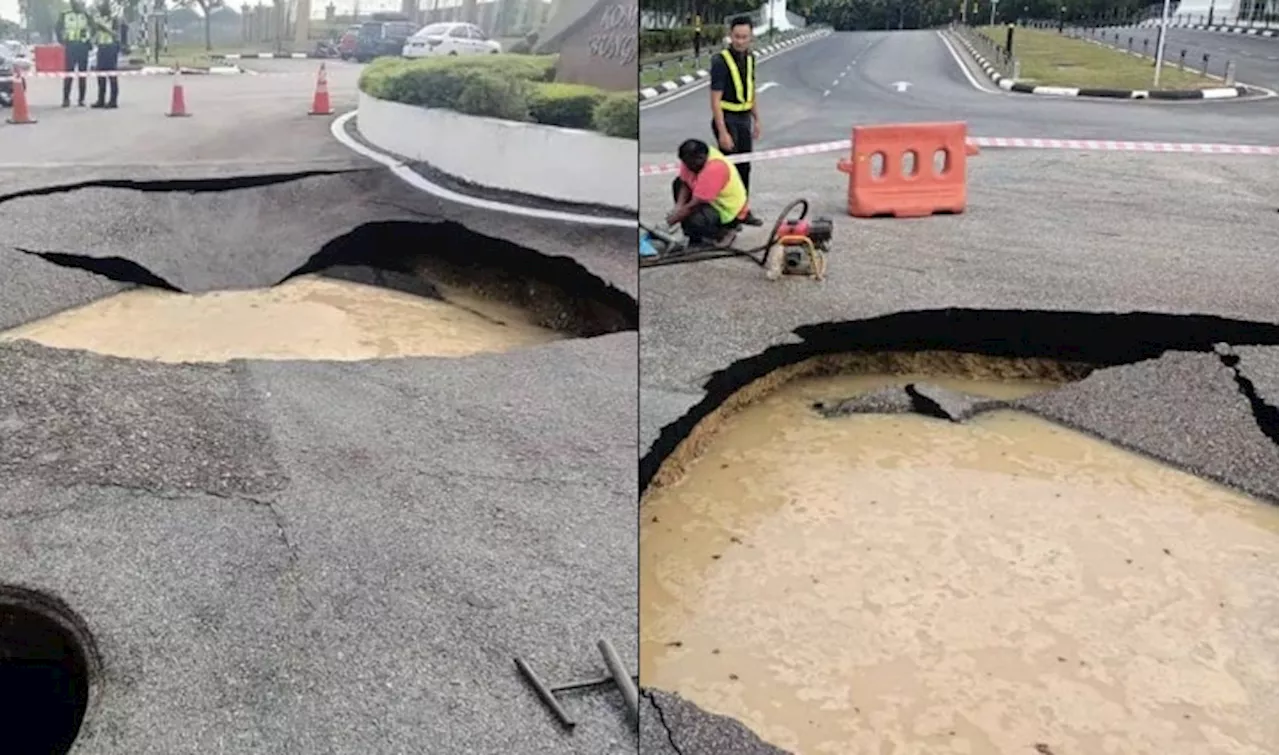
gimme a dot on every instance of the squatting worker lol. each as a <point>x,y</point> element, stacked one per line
<point>735,116</point>
<point>74,33</point>
<point>710,199</point>
<point>109,35</point>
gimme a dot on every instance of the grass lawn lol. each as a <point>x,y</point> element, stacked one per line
<point>1051,59</point>
<point>194,56</point>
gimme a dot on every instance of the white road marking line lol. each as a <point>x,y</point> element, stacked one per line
<point>678,94</point>
<point>963,68</point>
<point>338,130</point>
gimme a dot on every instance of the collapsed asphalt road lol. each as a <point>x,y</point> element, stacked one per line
<point>1158,271</point>
<point>1195,392</point>
<point>316,556</point>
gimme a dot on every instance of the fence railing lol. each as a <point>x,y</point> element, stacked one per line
<point>1124,39</point>
<point>993,51</point>
<point>1175,20</point>
<point>688,63</point>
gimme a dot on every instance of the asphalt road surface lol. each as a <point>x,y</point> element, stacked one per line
<point>235,120</point>
<point>1055,253</point>
<point>302,556</point>
<point>821,89</point>
<point>1255,57</point>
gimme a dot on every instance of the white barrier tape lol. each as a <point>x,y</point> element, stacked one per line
<point>996,142</point>
<point>767,154</point>
<point>217,70</point>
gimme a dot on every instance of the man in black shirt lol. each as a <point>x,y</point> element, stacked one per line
<point>735,117</point>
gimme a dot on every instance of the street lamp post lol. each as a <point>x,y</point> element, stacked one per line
<point>1164,28</point>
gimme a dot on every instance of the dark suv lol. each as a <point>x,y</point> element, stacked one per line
<point>6,78</point>
<point>379,38</point>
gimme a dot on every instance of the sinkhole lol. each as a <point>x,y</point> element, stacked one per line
<point>385,290</point>
<point>47,667</point>
<point>867,582</point>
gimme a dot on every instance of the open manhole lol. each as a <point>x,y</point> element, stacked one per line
<point>385,290</point>
<point>872,581</point>
<point>46,671</point>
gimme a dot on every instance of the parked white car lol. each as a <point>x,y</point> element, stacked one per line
<point>17,54</point>
<point>450,39</point>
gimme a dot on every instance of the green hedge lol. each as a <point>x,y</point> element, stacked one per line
<point>512,87</point>
<point>679,39</point>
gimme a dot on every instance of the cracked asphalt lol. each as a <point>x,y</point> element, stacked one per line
<point>297,556</point>
<point>1059,253</point>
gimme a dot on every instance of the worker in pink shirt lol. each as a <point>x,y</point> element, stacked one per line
<point>710,198</point>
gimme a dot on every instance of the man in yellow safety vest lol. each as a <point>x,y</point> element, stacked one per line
<point>710,198</point>
<point>735,117</point>
<point>75,33</point>
<point>109,36</point>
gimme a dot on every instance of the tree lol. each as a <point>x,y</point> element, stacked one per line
<point>40,16</point>
<point>207,7</point>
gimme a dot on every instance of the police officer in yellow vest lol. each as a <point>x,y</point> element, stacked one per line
<point>109,31</point>
<point>710,198</point>
<point>75,33</point>
<point>735,117</point>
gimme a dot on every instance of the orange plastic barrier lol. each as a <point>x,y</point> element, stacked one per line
<point>907,170</point>
<point>49,58</point>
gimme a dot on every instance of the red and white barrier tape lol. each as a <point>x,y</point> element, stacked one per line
<point>996,142</point>
<point>1103,145</point>
<point>95,74</point>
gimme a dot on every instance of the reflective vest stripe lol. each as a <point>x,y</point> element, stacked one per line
<point>75,27</point>
<point>104,37</point>
<point>746,97</point>
<point>733,197</point>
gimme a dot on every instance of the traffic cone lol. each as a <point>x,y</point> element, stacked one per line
<point>21,114</point>
<point>178,102</point>
<point>320,104</point>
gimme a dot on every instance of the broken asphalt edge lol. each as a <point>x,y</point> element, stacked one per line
<point>1098,339</point>
<point>1101,340</point>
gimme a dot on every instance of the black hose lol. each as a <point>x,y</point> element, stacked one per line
<point>758,254</point>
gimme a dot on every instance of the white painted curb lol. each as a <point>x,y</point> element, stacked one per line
<point>562,164</point>
<point>763,54</point>
<point>338,128</point>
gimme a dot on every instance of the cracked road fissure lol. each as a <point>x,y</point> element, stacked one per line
<point>1267,416</point>
<point>1095,338</point>
<point>662,720</point>
<point>181,185</point>
<point>116,269</point>
<point>277,518</point>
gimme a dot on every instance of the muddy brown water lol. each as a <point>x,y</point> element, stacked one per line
<point>308,317</point>
<point>898,584</point>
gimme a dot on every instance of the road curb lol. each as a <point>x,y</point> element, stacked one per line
<point>667,87</point>
<point>1009,85</point>
<point>266,56</point>
<point>1251,31</point>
